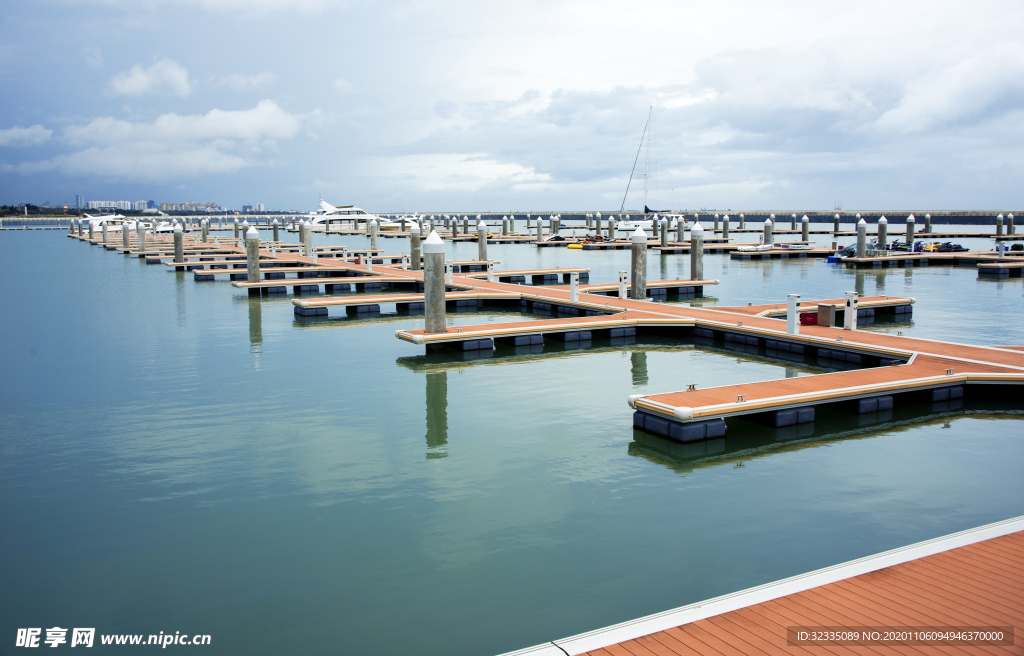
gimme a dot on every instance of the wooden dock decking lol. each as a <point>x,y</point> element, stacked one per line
<point>973,578</point>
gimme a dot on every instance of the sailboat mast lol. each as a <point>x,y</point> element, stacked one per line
<point>647,161</point>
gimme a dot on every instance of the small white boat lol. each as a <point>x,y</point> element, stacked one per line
<point>795,247</point>
<point>756,248</point>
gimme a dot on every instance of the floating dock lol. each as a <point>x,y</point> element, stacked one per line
<point>974,578</point>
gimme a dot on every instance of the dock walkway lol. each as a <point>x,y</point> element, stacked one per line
<point>974,578</point>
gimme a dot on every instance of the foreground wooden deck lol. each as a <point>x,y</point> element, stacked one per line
<point>969,579</point>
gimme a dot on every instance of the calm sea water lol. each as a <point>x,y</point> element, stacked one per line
<point>177,457</point>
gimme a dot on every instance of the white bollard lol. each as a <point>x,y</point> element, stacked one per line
<point>414,246</point>
<point>768,226</point>
<point>793,314</point>
<point>850,311</point>
<point>697,252</point>
<point>623,278</point>
<point>638,279</point>
<point>574,286</point>
<point>252,257</point>
<point>433,284</point>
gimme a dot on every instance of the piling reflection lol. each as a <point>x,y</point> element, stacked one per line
<point>638,367</point>
<point>437,414</point>
<point>255,325</point>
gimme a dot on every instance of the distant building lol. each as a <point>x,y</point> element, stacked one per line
<point>110,205</point>
<point>79,201</point>
<point>150,204</point>
<point>260,207</point>
<point>139,205</point>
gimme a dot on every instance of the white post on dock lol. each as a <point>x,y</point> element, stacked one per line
<point>236,227</point>
<point>638,277</point>
<point>504,225</point>
<point>793,314</point>
<point>697,252</point>
<point>490,270</point>
<point>655,227</point>
<point>928,223</point>
<point>540,230</point>
<point>611,227</point>
<point>205,229</point>
<point>623,278</point>
<point>588,221</point>
<point>743,221</point>
<point>481,240</point>
<point>103,226</point>
<point>883,231</point>
<point>597,224</point>
<point>910,232</point>
<point>511,224</point>
<point>574,286</point>
<point>862,238</point>
<point>805,228</point>
<point>680,228</point>
<point>401,225</point>
<point>252,255</point>
<point>768,225</point>
<point>715,229</point>
<point>999,250</point>
<point>433,284</point>
<point>725,227</point>
<point>999,227</point>
<point>310,252</point>
<point>835,231</point>
<point>850,312</point>
<point>179,245</point>
<point>664,233</point>
<point>126,233</point>
<point>1009,224</point>
<point>465,223</point>
<point>374,232</point>
<point>140,234</point>
<point>792,222</point>
<point>414,246</point>
<point>277,227</point>
<point>240,235</point>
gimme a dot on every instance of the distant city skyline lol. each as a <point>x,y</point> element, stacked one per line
<point>542,105</point>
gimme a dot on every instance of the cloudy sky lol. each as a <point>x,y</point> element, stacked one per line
<point>424,105</point>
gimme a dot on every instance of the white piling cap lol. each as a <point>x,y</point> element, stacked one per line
<point>177,228</point>
<point>307,223</point>
<point>415,228</point>
<point>858,215</point>
<point>245,223</point>
<point>477,217</point>
<point>665,219</point>
<point>911,219</point>
<point>772,217</point>
<point>741,216</point>
<point>639,237</point>
<point>716,215</point>
<point>480,225</point>
<point>698,228</point>
<point>805,219</point>
<point>725,218</point>
<point>433,243</point>
<point>236,219</point>
<point>274,223</point>
<point>836,216</point>
<point>793,216</point>
<point>883,220</point>
<point>252,233</point>
<point>862,222</point>
<point>928,216</point>
<point>1009,216</point>
<point>1000,215</point>
<point>768,221</point>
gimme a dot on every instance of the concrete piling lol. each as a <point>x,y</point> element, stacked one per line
<point>664,233</point>
<point>125,235</point>
<point>768,226</point>
<point>433,285</point>
<point>597,224</point>
<point>883,231</point>
<point>540,230</point>
<point>103,227</point>
<point>928,223</point>
<point>638,274</point>
<point>805,228</point>
<point>910,231</point>
<point>793,314</point>
<point>465,224</point>
<point>277,235</point>
<point>697,252</point>
<point>307,240</point>
<point>252,257</point>
<point>611,227</point>
<point>999,228</point>
<point>401,225</point>
<point>236,227</point>
<point>414,246</point>
<point>374,233</point>
<point>140,234</point>
<point>743,221</point>
<point>725,227</point>
<point>205,228</point>
<point>504,225</point>
<point>481,241</point>
<point>835,232</point>
<point>179,245</point>
<point>1009,224</point>
<point>655,227</point>
<point>862,238</point>
<point>715,229</point>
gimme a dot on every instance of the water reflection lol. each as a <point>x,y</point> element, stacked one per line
<point>437,414</point>
<point>255,325</point>
<point>638,367</point>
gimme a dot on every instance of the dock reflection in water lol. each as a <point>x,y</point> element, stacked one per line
<point>437,414</point>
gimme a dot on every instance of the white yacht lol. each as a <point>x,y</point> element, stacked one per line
<point>330,214</point>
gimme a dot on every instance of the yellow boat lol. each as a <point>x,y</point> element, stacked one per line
<point>576,246</point>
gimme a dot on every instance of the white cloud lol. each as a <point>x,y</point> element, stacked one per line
<point>30,136</point>
<point>164,75</point>
<point>455,171</point>
<point>243,83</point>
<point>173,145</point>
<point>343,86</point>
